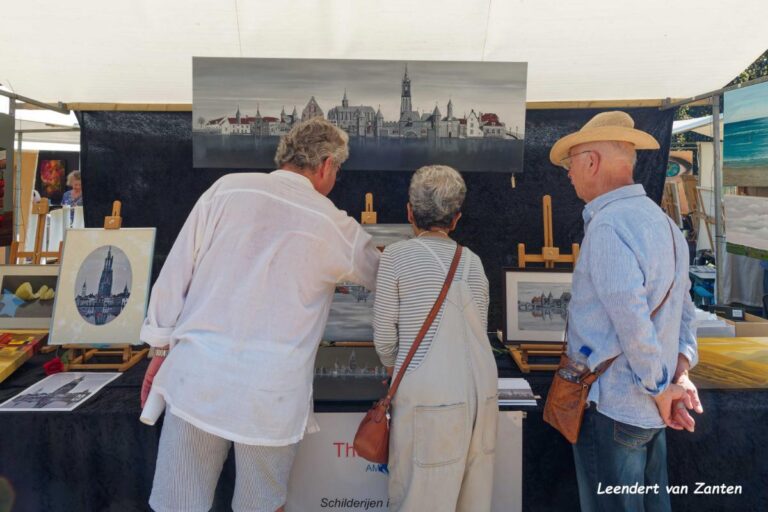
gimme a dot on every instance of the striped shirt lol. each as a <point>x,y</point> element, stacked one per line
<point>408,283</point>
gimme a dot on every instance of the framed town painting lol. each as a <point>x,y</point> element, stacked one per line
<point>399,115</point>
<point>536,304</point>
<point>351,315</point>
<point>103,286</point>
<point>28,293</point>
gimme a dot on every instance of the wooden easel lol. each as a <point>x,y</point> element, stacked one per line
<point>368,216</point>
<point>79,355</point>
<point>549,253</point>
<point>699,216</point>
<point>40,209</point>
<point>549,256</point>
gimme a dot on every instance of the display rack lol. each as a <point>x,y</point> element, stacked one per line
<point>37,254</point>
<point>550,255</point>
<point>78,356</point>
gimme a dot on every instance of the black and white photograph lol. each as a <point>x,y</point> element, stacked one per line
<point>536,304</point>
<point>103,285</point>
<point>28,292</point>
<point>399,115</point>
<point>59,392</point>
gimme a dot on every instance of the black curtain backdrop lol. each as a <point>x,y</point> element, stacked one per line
<point>144,159</point>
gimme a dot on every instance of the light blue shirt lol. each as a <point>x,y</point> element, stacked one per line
<point>623,272</point>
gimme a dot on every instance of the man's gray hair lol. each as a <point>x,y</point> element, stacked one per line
<point>310,142</point>
<point>436,195</point>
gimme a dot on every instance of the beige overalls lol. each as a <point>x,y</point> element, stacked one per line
<point>444,415</point>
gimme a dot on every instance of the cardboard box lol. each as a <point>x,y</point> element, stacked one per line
<point>752,327</point>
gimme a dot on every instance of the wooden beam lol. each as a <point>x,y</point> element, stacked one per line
<point>531,105</point>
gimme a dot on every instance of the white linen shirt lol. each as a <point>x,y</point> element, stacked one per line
<point>243,299</point>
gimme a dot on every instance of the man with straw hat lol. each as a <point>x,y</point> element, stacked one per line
<point>629,301</point>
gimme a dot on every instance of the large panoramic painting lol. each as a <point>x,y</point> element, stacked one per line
<point>399,115</point>
<point>103,286</point>
<point>746,228</point>
<point>536,303</point>
<point>745,138</point>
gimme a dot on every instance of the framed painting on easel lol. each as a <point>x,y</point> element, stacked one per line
<point>27,296</point>
<point>103,286</point>
<point>536,304</point>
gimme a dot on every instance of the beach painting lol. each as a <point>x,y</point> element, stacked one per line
<point>745,138</point>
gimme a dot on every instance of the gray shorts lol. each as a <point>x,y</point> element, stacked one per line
<point>189,462</point>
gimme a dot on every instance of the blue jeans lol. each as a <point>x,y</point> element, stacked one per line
<point>611,453</point>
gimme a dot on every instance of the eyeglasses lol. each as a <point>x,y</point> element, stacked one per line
<point>566,162</point>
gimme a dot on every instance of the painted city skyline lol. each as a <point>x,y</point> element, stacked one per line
<point>101,299</point>
<point>399,115</point>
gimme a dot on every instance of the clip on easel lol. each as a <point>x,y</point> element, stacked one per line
<point>37,254</point>
<point>549,256</point>
<point>79,355</point>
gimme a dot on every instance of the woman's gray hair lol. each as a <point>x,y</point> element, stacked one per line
<point>310,142</point>
<point>436,195</point>
<point>74,175</point>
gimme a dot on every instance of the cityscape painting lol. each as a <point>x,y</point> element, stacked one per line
<point>400,115</point>
<point>27,296</point>
<point>103,286</point>
<point>536,304</point>
<point>351,315</point>
<point>745,136</point>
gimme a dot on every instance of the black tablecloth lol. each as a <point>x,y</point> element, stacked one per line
<point>100,458</point>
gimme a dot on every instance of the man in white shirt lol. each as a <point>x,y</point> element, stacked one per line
<point>241,302</point>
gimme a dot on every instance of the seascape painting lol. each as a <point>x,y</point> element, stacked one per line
<point>745,137</point>
<point>399,115</point>
<point>536,304</point>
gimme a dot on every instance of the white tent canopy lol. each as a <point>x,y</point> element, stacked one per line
<point>700,125</point>
<point>140,51</point>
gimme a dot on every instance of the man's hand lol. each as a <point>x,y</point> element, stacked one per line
<point>149,377</point>
<point>665,400</point>
<point>681,418</point>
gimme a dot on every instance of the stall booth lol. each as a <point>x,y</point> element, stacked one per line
<point>457,83</point>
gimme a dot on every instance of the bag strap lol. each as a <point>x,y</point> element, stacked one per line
<point>425,327</point>
<point>602,367</point>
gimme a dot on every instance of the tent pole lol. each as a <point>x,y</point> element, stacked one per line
<point>718,172</point>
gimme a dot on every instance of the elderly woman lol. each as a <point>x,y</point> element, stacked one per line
<point>73,197</point>
<point>444,413</point>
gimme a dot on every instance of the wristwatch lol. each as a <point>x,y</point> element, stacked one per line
<point>158,351</point>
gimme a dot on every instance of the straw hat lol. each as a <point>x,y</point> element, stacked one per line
<point>606,126</point>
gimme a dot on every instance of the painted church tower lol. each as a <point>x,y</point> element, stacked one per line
<point>105,282</point>
<point>405,97</point>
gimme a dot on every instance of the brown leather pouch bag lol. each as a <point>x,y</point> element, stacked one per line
<point>567,397</point>
<point>372,437</point>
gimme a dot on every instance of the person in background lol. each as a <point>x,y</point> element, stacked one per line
<point>633,261</point>
<point>444,414</point>
<point>73,197</point>
<point>239,309</point>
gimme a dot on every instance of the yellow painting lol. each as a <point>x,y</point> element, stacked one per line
<point>732,363</point>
